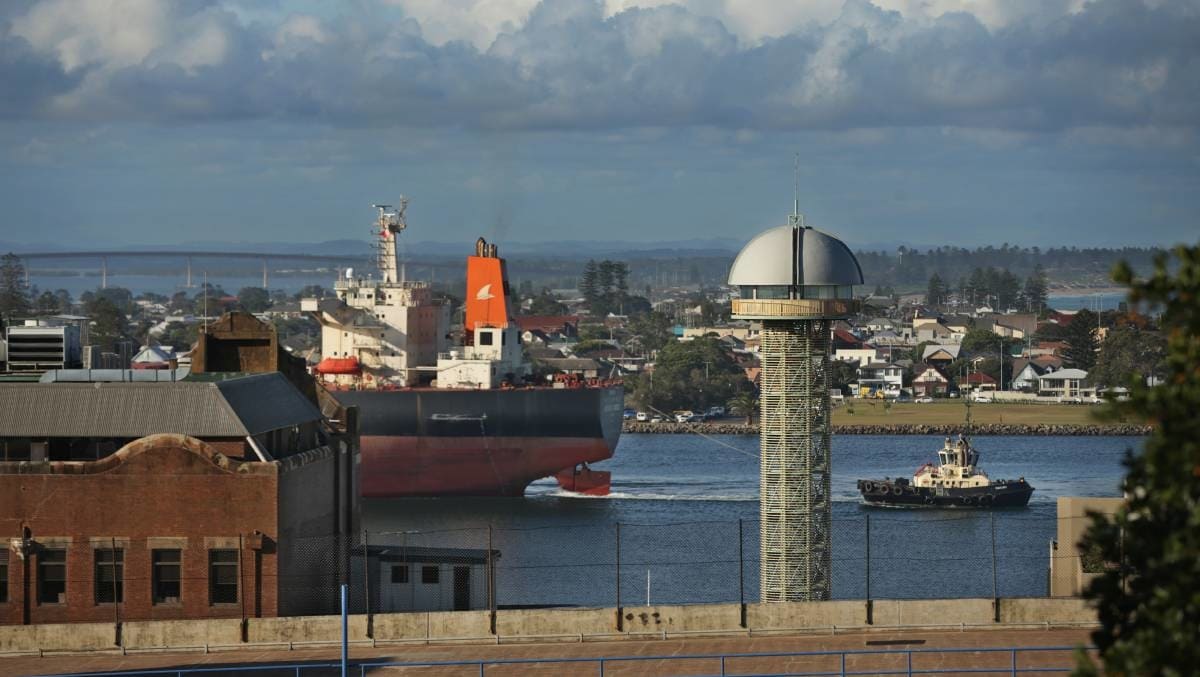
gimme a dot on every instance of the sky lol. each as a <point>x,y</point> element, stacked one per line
<point>927,122</point>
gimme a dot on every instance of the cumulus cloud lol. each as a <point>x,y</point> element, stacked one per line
<point>588,64</point>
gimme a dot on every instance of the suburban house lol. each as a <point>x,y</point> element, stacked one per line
<point>1026,373</point>
<point>1064,383</point>
<point>880,377</point>
<point>933,331</point>
<point>930,381</point>
<point>878,324</point>
<point>978,381</point>
<point>862,356</point>
<point>940,355</point>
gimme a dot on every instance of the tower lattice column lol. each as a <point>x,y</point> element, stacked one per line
<point>796,522</point>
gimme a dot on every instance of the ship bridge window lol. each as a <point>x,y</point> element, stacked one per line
<point>485,338</point>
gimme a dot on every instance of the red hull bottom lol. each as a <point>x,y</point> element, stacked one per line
<point>401,466</point>
<point>585,481</point>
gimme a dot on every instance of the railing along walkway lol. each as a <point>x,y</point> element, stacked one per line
<point>923,661</point>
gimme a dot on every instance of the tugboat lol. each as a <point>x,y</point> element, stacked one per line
<point>954,482</point>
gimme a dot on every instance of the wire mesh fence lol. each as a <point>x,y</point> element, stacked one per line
<point>875,556</point>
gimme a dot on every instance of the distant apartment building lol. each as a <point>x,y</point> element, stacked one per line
<point>172,500</point>
<point>39,345</point>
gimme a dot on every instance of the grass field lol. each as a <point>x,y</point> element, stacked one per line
<point>949,412</point>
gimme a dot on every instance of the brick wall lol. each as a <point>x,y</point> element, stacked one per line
<point>164,491</point>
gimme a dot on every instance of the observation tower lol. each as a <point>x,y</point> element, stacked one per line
<point>796,281</point>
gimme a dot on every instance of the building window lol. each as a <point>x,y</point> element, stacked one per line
<point>52,577</point>
<point>3,576</point>
<point>429,575</point>
<point>165,575</point>
<point>485,338</point>
<point>400,573</point>
<point>222,576</point>
<point>109,579</point>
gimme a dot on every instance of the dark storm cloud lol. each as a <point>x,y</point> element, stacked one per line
<point>1115,63</point>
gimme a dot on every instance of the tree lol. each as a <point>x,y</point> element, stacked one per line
<point>545,303</point>
<point>694,374</point>
<point>652,330</point>
<point>1149,603</point>
<point>312,291</point>
<point>254,299</point>
<point>14,292</point>
<point>109,324</point>
<point>47,302</point>
<point>841,374</point>
<point>981,342</point>
<point>179,335</point>
<point>589,284</point>
<point>745,404</point>
<point>1080,335</point>
<point>935,293</point>
<point>1128,353</point>
<point>1035,290</point>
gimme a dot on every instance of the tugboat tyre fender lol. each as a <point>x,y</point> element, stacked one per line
<point>928,500</point>
<point>967,500</point>
<point>985,500</point>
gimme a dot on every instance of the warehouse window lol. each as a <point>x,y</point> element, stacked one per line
<point>222,576</point>
<point>400,573</point>
<point>429,575</point>
<point>52,576</point>
<point>3,576</point>
<point>165,576</point>
<point>109,579</point>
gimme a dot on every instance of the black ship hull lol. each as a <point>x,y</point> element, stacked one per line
<point>902,493</point>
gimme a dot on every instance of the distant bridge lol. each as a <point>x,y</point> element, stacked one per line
<point>188,254</point>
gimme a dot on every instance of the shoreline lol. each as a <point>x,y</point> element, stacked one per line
<point>984,429</point>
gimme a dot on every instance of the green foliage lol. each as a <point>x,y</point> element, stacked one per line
<point>1035,294</point>
<point>745,404</point>
<point>935,292</point>
<point>1149,605</point>
<point>694,374</point>
<point>48,303</point>
<point>590,346</point>
<point>254,299</point>
<point>14,293</point>
<point>842,374</point>
<point>651,331</point>
<point>545,303</point>
<point>179,335</point>
<point>109,324</point>
<point>605,287</point>
<point>981,341</point>
<point>1080,335</point>
<point>1128,353</point>
<point>312,291</point>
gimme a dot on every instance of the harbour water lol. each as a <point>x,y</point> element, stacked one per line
<point>681,502</point>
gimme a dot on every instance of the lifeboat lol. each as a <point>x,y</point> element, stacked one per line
<point>339,365</point>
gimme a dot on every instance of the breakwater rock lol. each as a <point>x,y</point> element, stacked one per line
<point>720,428</point>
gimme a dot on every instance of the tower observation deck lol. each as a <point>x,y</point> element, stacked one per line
<point>796,281</point>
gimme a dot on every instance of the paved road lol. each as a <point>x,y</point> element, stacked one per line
<point>673,647</point>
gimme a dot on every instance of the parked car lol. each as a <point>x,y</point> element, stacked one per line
<point>923,400</point>
<point>656,419</point>
<point>643,416</point>
<point>716,412</point>
<point>628,414</point>
<point>683,416</point>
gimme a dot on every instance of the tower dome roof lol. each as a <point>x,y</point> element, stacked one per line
<point>795,255</point>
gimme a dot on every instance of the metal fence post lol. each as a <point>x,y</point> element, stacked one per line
<point>995,586</point>
<point>345,633</point>
<point>741,574</point>
<point>620,621</point>
<point>491,578</point>
<point>367,583</point>
<point>870,604</point>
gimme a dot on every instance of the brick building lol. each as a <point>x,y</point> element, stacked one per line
<point>136,501</point>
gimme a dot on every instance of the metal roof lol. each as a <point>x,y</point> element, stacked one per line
<point>795,255</point>
<point>258,404</point>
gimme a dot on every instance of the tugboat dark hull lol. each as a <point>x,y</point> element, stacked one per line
<point>1000,494</point>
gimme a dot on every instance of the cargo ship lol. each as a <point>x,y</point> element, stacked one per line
<point>454,420</point>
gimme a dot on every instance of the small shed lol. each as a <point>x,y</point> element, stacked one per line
<point>407,578</point>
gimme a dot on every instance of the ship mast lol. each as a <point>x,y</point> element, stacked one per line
<point>391,223</point>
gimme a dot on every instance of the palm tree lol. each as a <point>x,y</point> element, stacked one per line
<point>745,404</point>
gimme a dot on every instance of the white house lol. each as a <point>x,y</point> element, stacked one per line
<point>1064,383</point>
<point>860,356</point>
<point>881,376</point>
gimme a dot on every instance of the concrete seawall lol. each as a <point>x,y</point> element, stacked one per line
<point>898,429</point>
<point>541,625</point>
